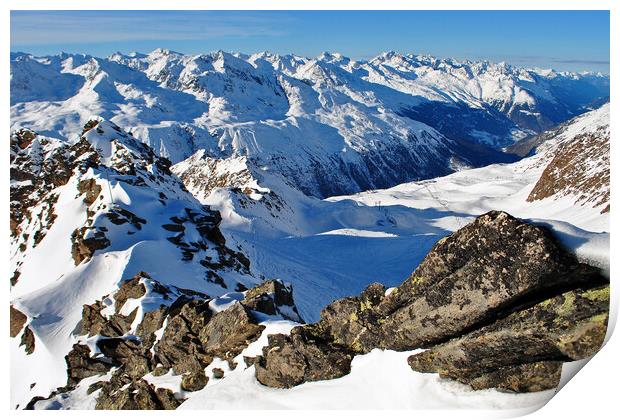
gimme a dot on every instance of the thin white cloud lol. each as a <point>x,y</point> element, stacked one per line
<point>45,28</point>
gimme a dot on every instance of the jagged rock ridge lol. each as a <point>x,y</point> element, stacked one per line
<point>168,329</point>
<point>329,125</point>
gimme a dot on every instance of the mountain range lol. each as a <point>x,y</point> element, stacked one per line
<point>187,231</point>
<point>330,125</point>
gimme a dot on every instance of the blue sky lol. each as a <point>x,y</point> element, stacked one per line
<point>564,40</point>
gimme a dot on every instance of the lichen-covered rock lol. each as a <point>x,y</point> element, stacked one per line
<point>229,332</point>
<point>94,323</point>
<point>354,322</point>
<point>167,399</point>
<point>273,298</point>
<point>194,381</point>
<point>81,365</point>
<point>128,353</point>
<point>138,395</point>
<point>506,354</point>
<point>471,277</point>
<point>180,347</point>
<point>300,357</point>
<point>151,322</point>
<point>487,270</point>
<point>528,377</point>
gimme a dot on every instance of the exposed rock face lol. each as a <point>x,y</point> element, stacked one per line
<point>229,332</point>
<point>182,334</point>
<point>201,174</point>
<point>28,340</point>
<point>488,270</point>
<point>80,365</point>
<point>580,168</point>
<point>85,241</point>
<point>471,277</point>
<point>523,351</point>
<point>274,298</point>
<point>527,377</point>
<point>139,395</point>
<point>93,323</point>
<point>180,347</point>
<point>194,381</point>
<point>131,289</point>
<point>305,355</point>
<point>18,320</point>
<point>90,189</point>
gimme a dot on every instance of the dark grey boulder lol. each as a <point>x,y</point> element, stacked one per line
<point>273,298</point>
<point>229,332</point>
<point>522,351</point>
<point>302,356</point>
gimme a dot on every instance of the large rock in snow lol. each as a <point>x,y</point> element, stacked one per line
<point>491,268</point>
<point>523,351</point>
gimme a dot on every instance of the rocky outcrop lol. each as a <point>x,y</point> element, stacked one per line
<point>180,348</point>
<point>90,189</point>
<point>274,298</point>
<point>18,324</point>
<point>138,395</point>
<point>183,335</point>
<point>307,354</point>
<point>488,270</point>
<point>28,340</point>
<point>579,169</point>
<point>38,166</point>
<point>194,381</point>
<point>81,365</point>
<point>524,351</point>
<point>482,271</point>
<point>85,241</point>
<point>229,332</point>
<point>17,321</point>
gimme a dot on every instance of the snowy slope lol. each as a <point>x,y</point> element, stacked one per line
<point>334,247</point>
<point>579,167</point>
<point>99,211</point>
<point>347,126</point>
<point>93,205</point>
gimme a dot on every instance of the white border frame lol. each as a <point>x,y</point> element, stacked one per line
<point>594,391</point>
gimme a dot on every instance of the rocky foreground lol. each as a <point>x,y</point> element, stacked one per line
<point>498,304</point>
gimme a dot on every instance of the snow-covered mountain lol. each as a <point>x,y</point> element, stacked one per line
<point>578,168</point>
<point>85,216</point>
<point>156,245</point>
<point>329,125</point>
<point>107,245</point>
